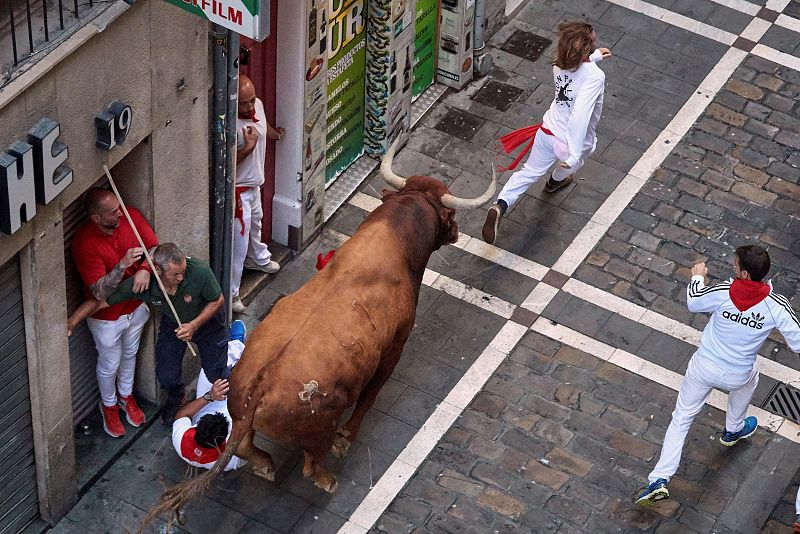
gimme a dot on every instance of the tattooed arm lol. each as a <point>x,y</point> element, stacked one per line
<point>106,285</point>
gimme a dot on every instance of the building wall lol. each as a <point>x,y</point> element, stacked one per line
<point>155,57</point>
<point>495,16</point>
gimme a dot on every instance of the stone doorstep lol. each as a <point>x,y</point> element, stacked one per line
<point>254,281</point>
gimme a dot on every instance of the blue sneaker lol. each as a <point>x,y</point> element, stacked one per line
<point>238,331</point>
<point>729,439</point>
<point>654,492</point>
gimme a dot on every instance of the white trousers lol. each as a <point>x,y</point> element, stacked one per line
<point>235,349</point>
<point>546,150</point>
<point>249,245</point>
<point>701,377</point>
<point>117,343</point>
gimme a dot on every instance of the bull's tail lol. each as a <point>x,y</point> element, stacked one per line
<point>174,499</point>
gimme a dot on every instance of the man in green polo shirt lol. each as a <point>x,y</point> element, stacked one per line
<point>198,300</point>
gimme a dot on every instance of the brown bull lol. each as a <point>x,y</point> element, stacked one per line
<point>336,341</point>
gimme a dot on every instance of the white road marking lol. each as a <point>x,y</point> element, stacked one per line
<point>788,22</point>
<point>423,442</point>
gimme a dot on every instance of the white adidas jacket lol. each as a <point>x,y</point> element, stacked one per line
<point>733,338</point>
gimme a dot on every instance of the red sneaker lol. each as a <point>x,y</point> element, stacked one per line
<point>111,423</point>
<point>133,413</point>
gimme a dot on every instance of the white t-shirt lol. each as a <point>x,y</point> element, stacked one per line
<point>250,171</point>
<point>188,449</point>
<point>576,108</point>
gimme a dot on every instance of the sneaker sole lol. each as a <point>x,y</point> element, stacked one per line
<point>128,418</point>
<point>489,231</point>
<point>737,440</point>
<point>562,184</point>
<point>105,428</point>
<point>652,497</point>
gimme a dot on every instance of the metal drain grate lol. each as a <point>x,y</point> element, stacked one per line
<point>784,400</point>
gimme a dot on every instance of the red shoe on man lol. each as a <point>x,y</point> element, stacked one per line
<point>133,413</point>
<point>111,422</point>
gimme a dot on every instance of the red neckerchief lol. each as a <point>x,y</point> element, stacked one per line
<point>746,293</point>
<point>197,454</point>
<point>251,116</point>
<point>512,140</point>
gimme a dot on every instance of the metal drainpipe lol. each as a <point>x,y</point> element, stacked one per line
<point>481,61</point>
<point>226,80</point>
<point>230,164</point>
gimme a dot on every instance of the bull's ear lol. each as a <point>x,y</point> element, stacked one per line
<point>449,226</point>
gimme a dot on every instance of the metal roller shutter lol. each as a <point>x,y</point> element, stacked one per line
<point>19,500</point>
<point>82,352</point>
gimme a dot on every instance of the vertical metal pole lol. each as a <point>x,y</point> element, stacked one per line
<point>44,15</point>
<point>230,162</point>
<point>61,13</point>
<point>30,28</point>
<point>13,34</point>
<point>219,112</point>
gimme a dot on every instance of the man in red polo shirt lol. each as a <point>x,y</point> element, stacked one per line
<point>106,251</point>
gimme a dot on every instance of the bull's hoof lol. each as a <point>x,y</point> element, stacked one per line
<point>328,483</point>
<point>341,445</point>
<point>266,472</point>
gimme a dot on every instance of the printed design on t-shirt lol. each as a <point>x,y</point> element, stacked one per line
<point>562,90</point>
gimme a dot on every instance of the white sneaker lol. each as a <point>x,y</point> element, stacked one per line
<point>271,268</point>
<point>237,306</point>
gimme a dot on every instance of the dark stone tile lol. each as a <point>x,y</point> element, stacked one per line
<point>583,316</point>
<point>665,350</point>
<point>318,521</point>
<point>526,45</point>
<point>555,279</point>
<point>459,124</point>
<point>524,317</point>
<point>623,333</point>
<point>744,44</point>
<point>413,407</point>
<point>426,374</point>
<point>498,95</point>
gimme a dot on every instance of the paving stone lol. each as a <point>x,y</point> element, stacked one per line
<point>520,418</point>
<point>744,89</point>
<point>754,194</point>
<point>722,114</point>
<point>541,474</point>
<point>460,484</point>
<point>498,95</point>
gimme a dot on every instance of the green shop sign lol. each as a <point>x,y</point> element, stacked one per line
<point>425,45</point>
<point>346,61</point>
<point>246,17</point>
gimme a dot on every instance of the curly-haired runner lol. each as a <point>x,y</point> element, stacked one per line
<point>569,125</point>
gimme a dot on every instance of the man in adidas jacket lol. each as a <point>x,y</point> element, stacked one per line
<point>743,313</point>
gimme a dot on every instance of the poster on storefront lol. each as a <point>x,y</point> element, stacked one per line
<point>314,127</point>
<point>425,45</point>
<point>346,54</point>
<point>390,55</point>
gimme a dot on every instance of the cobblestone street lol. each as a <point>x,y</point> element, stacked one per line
<point>538,382</point>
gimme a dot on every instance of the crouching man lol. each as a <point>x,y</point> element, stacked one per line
<point>202,426</point>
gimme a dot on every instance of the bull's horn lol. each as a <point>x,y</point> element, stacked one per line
<point>394,180</point>
<point>457,203</point>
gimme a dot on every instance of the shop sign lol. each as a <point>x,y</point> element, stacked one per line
<point>113,125</point>
<point>425,45</point>
<point>346,55</point>
<point>246,17</point>
<point>32,173</point>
